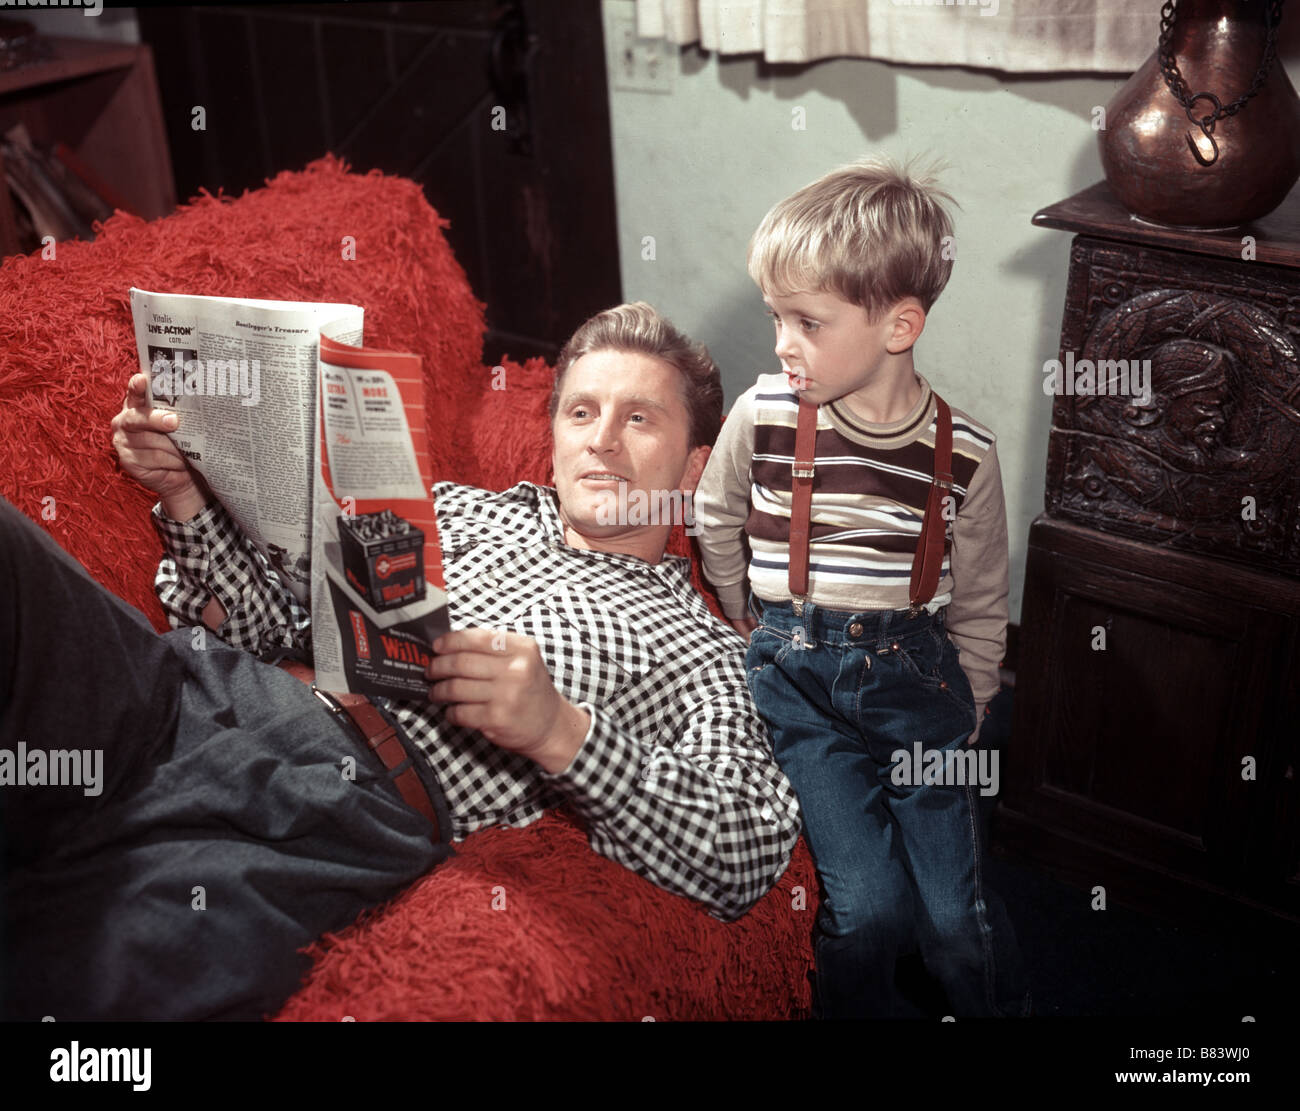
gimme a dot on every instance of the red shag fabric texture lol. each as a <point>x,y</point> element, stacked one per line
<point>578,936</point>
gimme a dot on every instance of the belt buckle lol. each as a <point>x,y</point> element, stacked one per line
<point>335,707</point>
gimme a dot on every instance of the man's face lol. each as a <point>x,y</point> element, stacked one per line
<point>621,420</point>
<point>827,346</point>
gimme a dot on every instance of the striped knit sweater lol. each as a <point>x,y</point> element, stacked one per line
<point>868,502</point>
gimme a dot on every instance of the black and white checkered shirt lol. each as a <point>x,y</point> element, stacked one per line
<point>675,779</point>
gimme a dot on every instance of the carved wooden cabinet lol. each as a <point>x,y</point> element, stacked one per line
<point>1155,744</point>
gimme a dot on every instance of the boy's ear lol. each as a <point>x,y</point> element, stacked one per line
<point>909,323</point>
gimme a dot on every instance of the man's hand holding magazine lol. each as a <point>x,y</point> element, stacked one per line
<point>498,684</point>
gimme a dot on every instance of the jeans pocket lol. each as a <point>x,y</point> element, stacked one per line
<point>921,655</point>
<point>931,658</point>
<point>767,648</point>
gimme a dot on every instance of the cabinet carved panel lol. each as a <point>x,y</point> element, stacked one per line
<point>1183,427</point>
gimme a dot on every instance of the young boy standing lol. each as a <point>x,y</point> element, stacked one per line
<point>878,549</point>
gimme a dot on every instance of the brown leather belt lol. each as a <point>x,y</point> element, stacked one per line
<point>378,736</point>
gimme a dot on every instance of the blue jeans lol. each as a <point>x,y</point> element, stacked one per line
<point>848,698</point>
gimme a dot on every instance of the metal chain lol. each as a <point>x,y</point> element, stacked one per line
<point>1178,87</point>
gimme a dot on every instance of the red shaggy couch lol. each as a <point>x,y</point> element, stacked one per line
<point>579,937</point>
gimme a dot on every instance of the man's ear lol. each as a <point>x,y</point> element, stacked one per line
<point>909,323</point>
<point>694,468</point>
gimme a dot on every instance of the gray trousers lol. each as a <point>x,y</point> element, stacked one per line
<point>228,831</point>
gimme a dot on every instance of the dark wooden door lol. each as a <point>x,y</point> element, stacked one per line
<point>1154,730</point>
<point>421,90</point>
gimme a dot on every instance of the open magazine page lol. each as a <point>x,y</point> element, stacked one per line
<point>378,601</point>
<point>241,373</point>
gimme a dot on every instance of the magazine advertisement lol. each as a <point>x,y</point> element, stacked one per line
<point>378,601</point>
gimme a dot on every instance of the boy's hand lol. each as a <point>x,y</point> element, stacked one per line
<point>744,626</point>
<point>981,712</point>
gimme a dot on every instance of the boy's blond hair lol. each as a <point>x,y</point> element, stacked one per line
<point>870,231</point>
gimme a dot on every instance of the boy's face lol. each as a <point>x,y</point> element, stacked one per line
<point>828,347</point>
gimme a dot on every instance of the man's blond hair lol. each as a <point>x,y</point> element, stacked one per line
<point>871,231</point>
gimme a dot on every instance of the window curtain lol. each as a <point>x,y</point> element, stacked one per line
<point>1015,36</point>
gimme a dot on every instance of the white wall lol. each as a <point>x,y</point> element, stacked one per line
<point>699,166</point>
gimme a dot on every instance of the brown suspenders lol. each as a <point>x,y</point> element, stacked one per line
<point>927,562</point>
<point>801,483</point>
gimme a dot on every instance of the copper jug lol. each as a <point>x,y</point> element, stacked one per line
<point>1253,155</point>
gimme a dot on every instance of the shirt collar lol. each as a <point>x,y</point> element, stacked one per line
<point>894,434</point>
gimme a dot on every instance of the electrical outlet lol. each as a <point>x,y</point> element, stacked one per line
<point>635,65</point>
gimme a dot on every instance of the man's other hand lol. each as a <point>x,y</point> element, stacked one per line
<point>496,683</point>
<point>151,457</point>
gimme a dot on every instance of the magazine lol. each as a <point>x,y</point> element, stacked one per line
<point>317,448</point>
<point>377,565</point>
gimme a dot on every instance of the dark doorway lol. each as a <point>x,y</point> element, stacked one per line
<point>498,108</point>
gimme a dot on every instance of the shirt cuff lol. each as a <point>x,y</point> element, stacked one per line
<point>200,548</point>
<point>603,772</point>
<point>189,542</point>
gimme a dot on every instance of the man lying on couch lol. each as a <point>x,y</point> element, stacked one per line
<point>223,836</point>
